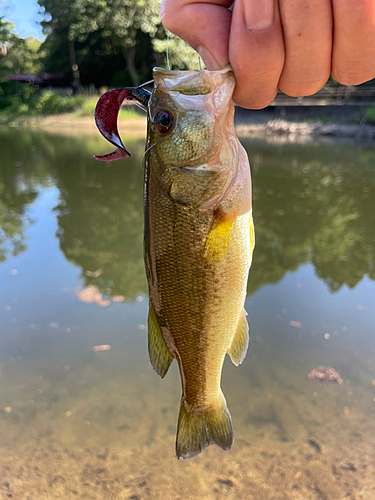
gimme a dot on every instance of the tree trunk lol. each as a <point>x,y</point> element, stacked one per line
<point>76,80</point>
<point>129,55</point>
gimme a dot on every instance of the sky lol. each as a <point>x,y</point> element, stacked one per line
<point>24,15</point>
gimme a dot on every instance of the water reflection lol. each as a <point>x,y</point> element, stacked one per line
<point>310,210</point>
<point>100,219</point>
<point>17,192</point>
<point>311,204</point>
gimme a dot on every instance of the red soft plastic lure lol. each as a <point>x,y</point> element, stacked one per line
<point>106,116</point>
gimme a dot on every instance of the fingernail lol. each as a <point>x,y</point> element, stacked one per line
<point>209,60</point>
<point>259,14</point>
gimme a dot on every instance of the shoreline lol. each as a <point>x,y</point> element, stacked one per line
<point>270,124</point>
<point>306,131</point>
<point>69,124</point>
<point>303,124</point>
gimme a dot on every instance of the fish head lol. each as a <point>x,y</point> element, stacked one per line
<point>190,117</point>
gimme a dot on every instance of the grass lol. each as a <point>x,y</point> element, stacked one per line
<point>48,103</point>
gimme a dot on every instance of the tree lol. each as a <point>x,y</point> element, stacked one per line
<point>104,35</point>
<point>120,20</point>
<point>177,53</point>
<point>8,39</point>
<point>17,55</point>
<point>60,15</point>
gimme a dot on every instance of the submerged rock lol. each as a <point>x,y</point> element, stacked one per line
<point>328,374</point>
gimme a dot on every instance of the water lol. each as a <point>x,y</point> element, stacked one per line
<point>80,423</point>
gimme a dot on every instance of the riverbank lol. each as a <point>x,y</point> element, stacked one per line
<point>300,124</point>
<point>73,124</point>
<point>305,123</point>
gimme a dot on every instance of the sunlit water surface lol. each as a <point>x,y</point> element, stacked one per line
<point>77,422</point>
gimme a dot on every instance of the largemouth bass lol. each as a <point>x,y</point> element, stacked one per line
<point>198,239</point>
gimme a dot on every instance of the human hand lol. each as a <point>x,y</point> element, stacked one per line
<point>292,45</point>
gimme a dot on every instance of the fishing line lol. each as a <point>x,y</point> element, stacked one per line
<point>168,65</point>
<point>146,83</point>
<point>200,69</point>
<point>141,162</point>
<point>135,103</point>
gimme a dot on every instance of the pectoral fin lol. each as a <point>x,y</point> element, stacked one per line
<point>218,239</point>
<point>160,356</point>
<point>240,342</point>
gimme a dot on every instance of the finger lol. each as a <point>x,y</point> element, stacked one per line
<point>353,58</point>
<point>256,52</point>
<point>307,28</point>
<point>204,25</point>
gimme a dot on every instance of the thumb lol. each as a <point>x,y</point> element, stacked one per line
<point>205,25</point>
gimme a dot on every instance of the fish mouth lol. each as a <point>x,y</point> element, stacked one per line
<point>106,117</point>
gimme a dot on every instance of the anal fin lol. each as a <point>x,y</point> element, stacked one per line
<point>160,356</point>
<point>240,342</point>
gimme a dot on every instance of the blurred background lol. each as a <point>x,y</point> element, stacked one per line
<point>75,48</point>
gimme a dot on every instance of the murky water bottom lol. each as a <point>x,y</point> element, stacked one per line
<point>77,422</point>
<point>95,429</point>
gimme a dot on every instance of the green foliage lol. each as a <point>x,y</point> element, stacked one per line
<point>106,37</point>
<point>180,54</point>
<point>88,108</point>
<point>7,36</point>
<point>113,43</point>
<point>120,18</point>
<point>17,55</point>
<point>52,103</point>
<point>116,43</point>
<point>15,96</point>
<point>27,101</point>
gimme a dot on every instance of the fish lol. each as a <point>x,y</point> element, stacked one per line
<point>198,239</point>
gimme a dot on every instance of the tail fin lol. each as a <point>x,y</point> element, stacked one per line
<point>197,430</point>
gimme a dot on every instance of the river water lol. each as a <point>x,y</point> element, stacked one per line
<point>88,422</point>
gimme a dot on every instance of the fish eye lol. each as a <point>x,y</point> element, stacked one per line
<point>163,121</point>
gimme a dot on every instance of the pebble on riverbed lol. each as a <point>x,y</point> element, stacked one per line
<point>328,374</point>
